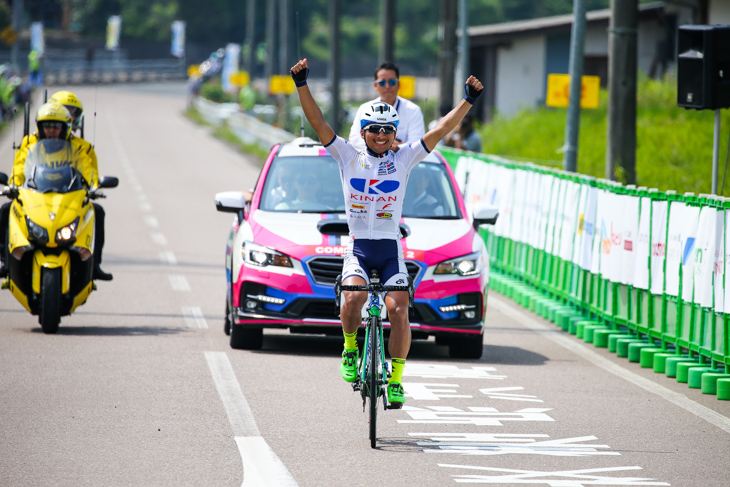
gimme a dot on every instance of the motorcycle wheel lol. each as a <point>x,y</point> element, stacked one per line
<point>50,309</point>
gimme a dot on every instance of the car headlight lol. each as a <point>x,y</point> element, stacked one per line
<point>67,234</point>
<point>36,233</point>
<point>467,265</point>
<point>258,255</point>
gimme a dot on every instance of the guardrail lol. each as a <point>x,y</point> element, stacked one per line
<point>636,270</point>
<point>247,128</point>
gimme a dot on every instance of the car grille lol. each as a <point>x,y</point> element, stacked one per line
<point>325,270</point>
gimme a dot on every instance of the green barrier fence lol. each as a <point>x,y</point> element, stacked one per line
<point>636,270</point>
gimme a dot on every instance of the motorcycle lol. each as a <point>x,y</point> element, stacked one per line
<point>51,233</point>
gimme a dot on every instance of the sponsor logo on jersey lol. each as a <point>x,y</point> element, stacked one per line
<point>385,168</point>
<point>358,207</point>
<point>374,186</point>
<point>384,215</point>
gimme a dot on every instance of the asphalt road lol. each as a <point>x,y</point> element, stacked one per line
<point>140,387</point>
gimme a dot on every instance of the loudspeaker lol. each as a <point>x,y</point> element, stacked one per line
<point>703,66</point>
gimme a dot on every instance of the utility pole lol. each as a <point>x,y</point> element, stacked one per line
<point>17,18</point>
<point>251,37</point>
<point>621,146</point>
<point>462,65</point>
<point>270,41</point>
<point>334,72</point>
<point>447,54</point>
<point>387,25</point>
<point>577,50</point>
<point>284,62</point>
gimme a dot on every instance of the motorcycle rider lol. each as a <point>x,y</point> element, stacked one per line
<point>53,121</point>
<point>76,109</point>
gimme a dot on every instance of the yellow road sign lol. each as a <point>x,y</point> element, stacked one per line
<point>240,78</point>
<point>558,91</point>
<point>281,85</point>
<point>407,87</point>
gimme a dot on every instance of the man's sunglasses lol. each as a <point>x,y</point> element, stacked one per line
<point>391,81</point>
<point>374,128</point>
<point>53,125</point>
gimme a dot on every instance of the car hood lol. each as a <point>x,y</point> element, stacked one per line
<point>297,235</point>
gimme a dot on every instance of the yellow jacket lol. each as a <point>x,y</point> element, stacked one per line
<point>89,164</point>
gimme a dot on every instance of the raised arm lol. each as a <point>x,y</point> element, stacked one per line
<point>473,89</point>
<point>299,72</point>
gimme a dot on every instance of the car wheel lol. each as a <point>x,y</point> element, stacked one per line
<point>245,338</point>
<point>227,321</point>
<point>471,347</point>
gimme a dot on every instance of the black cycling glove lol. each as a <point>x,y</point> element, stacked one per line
<point>300,78</point>
<point>471,93</point>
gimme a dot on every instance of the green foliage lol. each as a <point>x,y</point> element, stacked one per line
<point>674,145</point>
<point>213,90</point>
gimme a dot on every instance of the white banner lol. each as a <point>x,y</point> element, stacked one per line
<point>658,245</point>
<point>37,40</point>
<point>674,248</point>
<point>603,222</point>
<point>532,207</point>
<point>177,48</point>
<point>589,230</point>
<point>546,186</point>
<point>519,232</point>
<point>570,215</point>
<point>704,256</point>
<point>642,246</point>
<point>630,220</point>
<point>230,67</point>
<point>113,31</point>
<point>689,253</point>
<point>552,216</point>
<point>579,222</point>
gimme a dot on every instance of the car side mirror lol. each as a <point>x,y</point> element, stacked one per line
<point>231,202</point>
<point>3,178</point>
<point>485,215</point>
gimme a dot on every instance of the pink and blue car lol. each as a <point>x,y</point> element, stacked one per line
<point>286,247</point>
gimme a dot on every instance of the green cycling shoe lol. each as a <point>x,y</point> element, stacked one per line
<point>396,395</point>
<point>348,369</point>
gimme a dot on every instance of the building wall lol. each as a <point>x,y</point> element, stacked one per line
<point>719,12</point>
<point>520,74</point>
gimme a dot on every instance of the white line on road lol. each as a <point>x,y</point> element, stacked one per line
<point>179,283</point>
<point>194,317</point>
<point>261,466</point>
<point>159,238</point>
<point>151,221</point>
<point>676,398</point>
<point>168,257</point>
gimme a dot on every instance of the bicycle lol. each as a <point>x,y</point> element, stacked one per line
<point>373,371</point>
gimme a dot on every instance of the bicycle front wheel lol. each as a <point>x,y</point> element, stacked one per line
<point>373,384</point>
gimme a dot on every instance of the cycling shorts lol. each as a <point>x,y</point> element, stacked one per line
<point>385,255</point>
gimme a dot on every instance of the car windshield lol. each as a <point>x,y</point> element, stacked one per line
<point>311,184</point>
<point>50,167</point>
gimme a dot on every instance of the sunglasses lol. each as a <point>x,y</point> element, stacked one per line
<point>391,81</point>
<point>374,128</point>
<point>52,125</point>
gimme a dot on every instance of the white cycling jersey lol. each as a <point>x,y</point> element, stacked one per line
<point>374,186</point>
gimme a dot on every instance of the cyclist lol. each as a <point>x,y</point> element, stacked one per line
<point>374,182</point>
<point>411,126</point>
<point>53,121</point>
<point>76,109</point>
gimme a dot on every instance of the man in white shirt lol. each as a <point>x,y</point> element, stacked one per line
<point>411,126</point>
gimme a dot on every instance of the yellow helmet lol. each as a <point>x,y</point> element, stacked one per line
<point>53,112</point>
<point>72,104</point>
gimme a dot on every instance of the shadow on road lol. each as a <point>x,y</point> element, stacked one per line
<point>115,330</point>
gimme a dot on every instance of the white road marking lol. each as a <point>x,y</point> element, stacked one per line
<point>159,238</point>
<point>261,466</point>
<point>571,344</point>
<point>439,371</point>
<point>145,207</point>
<point>501,393</point>
<point>179,283</point>
<point>564,478</point>
<point>194,317</point>
<point>476,416</point>
<point>151,221</point>
<point>421,391</point>
<point>168,257</point>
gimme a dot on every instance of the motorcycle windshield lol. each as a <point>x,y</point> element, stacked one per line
<point>52,167</point>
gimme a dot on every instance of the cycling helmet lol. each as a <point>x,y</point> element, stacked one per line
<point>379,112</point>
<point>53,112</point>
<point>72,104</point>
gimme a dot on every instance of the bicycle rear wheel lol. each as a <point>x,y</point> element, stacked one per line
<point>374,386</point>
